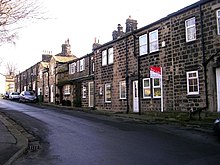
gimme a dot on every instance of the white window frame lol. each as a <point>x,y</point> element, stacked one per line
<point>104,57</point>
<point>84,92</point>
<point>218,21</point>
<point>67,90</point>
<point>110,55</point>
<point>46,91</point>
<point>192,78</point>
<point>82,65</point>
<point>146,88</point>
<point>143,44</point>
<point>153,41</point>
<point>72,68</point>
<point>40,74</point>
<point>122,89</point>
<point>108,92</point>
<point>190,25</point>
<point>156,87</point>
<point>52,69</point>
<point>77,66</point>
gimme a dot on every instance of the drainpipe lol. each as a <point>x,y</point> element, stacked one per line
<point>138,71</point>
<point>204,59</point>
<point>127,82</point>
<point>55,83</point>
<point>48,82</point>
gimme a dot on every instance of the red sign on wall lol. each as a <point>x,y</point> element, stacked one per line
<point>155,72</point>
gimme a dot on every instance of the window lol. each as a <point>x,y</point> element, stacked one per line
<point>77,66</point>
<point>108,93</point>
<point>107,57</point>
<point>84,92</point>
<point>190,29</point>
<point>46,91</point>
<point>143,44</point>
<point>52,69</point>
<point>146,88</point>
<point>72,68</point>
<point>122,89</point>
<point>156,87</point>
<point>40,74</point>
<point>67,90</point>
<point>110,56</point>
<point>192,83</point>
<point>82,65</point>
<point>153,41</point>
<point>218,21</point>
<point>104,57</point>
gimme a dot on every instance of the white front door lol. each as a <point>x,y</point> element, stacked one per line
<point>51,93</point>
<point>218,88</point>
<point>91,94</point>
<point>135,97</point>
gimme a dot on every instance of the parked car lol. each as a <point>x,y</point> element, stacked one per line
<point>217,127</point>
<point>6,95</point>
<point>27,96</point>
<point>14,96</point>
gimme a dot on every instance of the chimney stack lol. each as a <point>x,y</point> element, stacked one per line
<point>117,34</point>
<point>66,48</point>
<point>131,25</point>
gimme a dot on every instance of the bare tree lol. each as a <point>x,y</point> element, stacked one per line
<point>15,12</point>
<point>11,68</point>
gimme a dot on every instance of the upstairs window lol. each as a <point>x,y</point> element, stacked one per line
<point>153,41</point>
<point>143,44</point>
<point>192,83</point>
<point>104,57</point>
<point>190,25</point>
<point>52,69</point>
<point>77,66</point>
<point>110,56</point>
<point>72,68</point>
<point>218,21</point>
<point>82,65</point>
<point>107,56</point>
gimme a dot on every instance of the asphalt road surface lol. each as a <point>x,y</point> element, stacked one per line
<point>79,138</point>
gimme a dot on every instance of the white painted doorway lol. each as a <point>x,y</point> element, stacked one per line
<point>218,88</point>
<point>135,97</point>
<point>91,94</point>
<point>51,93</point>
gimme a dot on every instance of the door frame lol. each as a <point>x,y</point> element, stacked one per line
<point>218,88</point>
<point>135,96</point>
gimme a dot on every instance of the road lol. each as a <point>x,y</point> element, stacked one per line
<point>75,137</point>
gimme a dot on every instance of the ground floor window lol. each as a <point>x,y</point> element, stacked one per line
<point>156,87</point>
<point>84,92</point>
<point>146,88</point>
<point>108,93</point>
<point>151,88</point>
<point>122,89</point>
<point>67,90</point>
<point>192,83</point>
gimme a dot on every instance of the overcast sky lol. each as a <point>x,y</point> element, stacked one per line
<point>81,21</point>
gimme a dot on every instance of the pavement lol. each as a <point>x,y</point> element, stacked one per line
<point>14,142</point>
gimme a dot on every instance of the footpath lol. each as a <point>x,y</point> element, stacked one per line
<point>14,141</point>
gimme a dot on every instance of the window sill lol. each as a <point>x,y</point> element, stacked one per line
<point>193,96</point>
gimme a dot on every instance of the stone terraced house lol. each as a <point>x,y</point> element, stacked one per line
<point>168,65</point>
<point>172,64</point>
